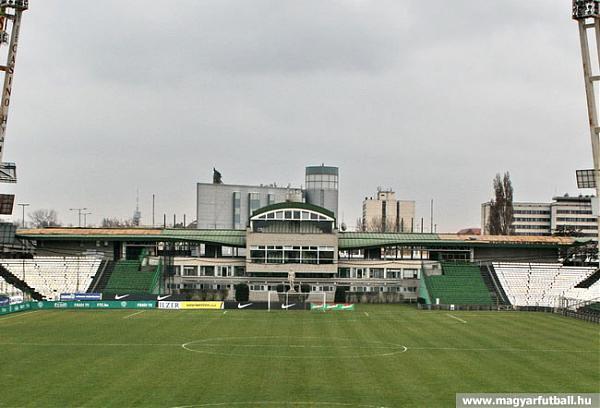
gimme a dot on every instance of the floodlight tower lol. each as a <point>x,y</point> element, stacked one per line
<point>11,12</point>
<point>587,15</point>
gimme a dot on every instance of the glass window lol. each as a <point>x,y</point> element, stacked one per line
<point>344,272</point>
<point>292,256</point>
<point>190,271</point>
<point>257,255</point>
<point>207,270</point>
<point>274,256</point>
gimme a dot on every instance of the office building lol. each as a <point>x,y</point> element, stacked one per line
<point>563,214</point>
<point>387,214</point>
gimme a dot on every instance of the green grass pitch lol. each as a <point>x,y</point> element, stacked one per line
<point>375,356</point>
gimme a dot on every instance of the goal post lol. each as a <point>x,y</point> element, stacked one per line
<point>318,301</point>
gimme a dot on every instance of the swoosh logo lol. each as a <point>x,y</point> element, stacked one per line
<point>162,297</point>
<point>240,306</point>
<point>287,306</point>
<point>117,297</point>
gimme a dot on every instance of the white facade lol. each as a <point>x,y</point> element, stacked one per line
<point>570,213</point>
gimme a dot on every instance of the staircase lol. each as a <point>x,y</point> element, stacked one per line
<point>589,281</point>
<point>491,281</point>
<point>101,280</point>
<point>19,284</point>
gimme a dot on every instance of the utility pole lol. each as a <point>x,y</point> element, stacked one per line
<point>79,210</point>
<point>23,206</point>
<point>587,15</point>
<point>85,214</point>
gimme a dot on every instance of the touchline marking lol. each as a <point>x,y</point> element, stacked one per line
<point>92,344</point>
<point>280,404</point>
<point>133,314</point>
<point>18,314</point>
<point>457,318</point>
<point>502,349</point>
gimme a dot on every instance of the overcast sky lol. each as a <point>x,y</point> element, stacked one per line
<point>430,98</point>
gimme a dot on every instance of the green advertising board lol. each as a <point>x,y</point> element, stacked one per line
<point>15,308</point>
<point>107,304</point>
<point>331,306</point>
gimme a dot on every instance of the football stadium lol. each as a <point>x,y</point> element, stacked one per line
<point>267,299</point>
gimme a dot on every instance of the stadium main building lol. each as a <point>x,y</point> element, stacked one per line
<point>298,244</point>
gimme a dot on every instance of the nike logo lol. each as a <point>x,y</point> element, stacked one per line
<point>287,306</point>
<point>240,306</point>
<point>117,297</point>
<point>162,297</point>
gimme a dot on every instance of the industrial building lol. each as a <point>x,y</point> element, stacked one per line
<point>229,206</point>
<point>564,213</point>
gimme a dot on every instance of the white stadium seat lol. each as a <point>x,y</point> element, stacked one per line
<point>537,284</point>
<point>51,276</point>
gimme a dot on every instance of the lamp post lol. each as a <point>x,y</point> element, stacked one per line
<point>79,210</point>
<point>23,205</point>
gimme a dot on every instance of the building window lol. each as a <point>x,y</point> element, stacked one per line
<point>237,210</point>
<point>253,202</point>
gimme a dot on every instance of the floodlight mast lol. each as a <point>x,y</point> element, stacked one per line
<point>587,15</point>
<point>10,11</point>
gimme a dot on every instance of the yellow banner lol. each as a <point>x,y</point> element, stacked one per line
<point>201,305</point>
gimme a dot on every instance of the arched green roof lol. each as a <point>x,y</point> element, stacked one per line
<point>291,205</point>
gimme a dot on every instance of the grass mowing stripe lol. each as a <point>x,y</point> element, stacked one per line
<point>167,376</point>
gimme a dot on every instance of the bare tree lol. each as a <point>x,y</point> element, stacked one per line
<point>112,222</point>
<point>43,218</point>
<point>501,208</point>
<point>375,225</point>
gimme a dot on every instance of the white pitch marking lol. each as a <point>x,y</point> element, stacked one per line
<point>133,314</point>
<point>18,314</point>
<point>457,318</point>
<point>366,314</point>
<point>505,349</point>
<point>280,404</point>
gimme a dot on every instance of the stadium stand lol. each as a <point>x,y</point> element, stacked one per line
<point>460,284</point>
<point>590,280</point>
<point>51,276</point>
<point>132,277</point>
<point>542,285</point>
<point>8,289</point>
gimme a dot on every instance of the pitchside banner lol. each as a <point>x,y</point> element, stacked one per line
<point>15,308</point>
<point>110,304</point>
<point>142,296</point>
<point>80,296</point>
<point>191,305</point>
<point>332,306</point>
